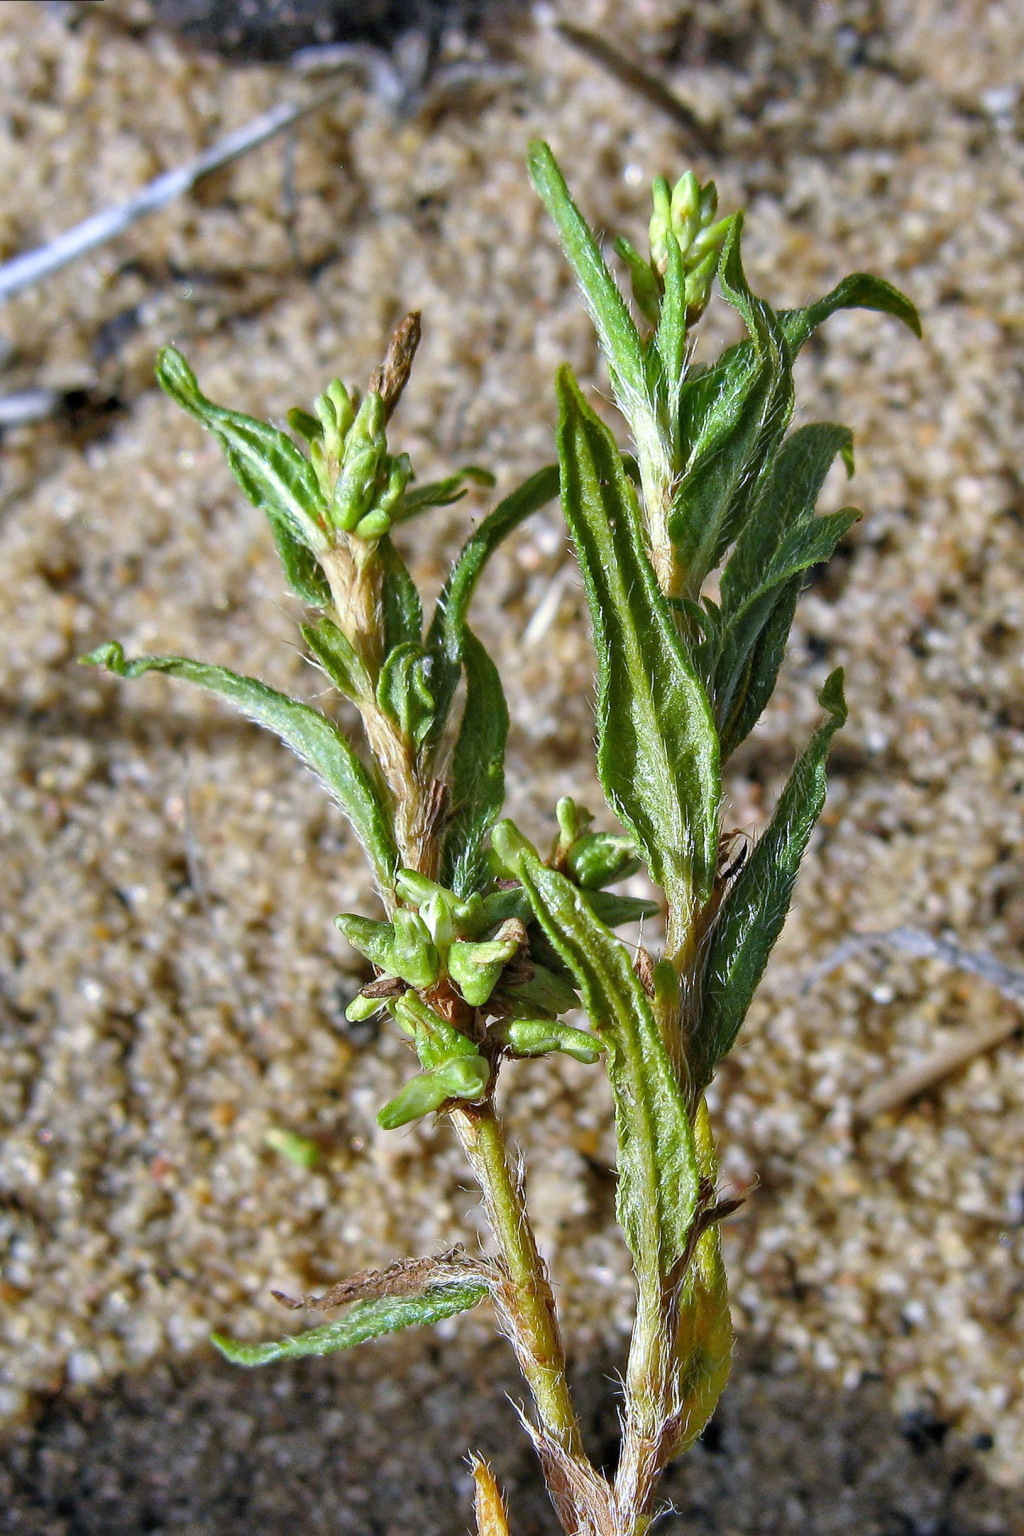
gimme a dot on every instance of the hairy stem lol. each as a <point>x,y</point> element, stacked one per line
<point>527,1302</point>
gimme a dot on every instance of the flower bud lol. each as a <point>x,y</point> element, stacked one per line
<point>373,526</point>
<point>436,1040</point>
<point>660,227</point>
<point>600,858</point>
<point>475,968</point>
<point>364,453</point>
<point>537,1037</point>
<point>464,1078</point>
<point>361,1008</point>
<point>415,957</point>
<point>685,209</point>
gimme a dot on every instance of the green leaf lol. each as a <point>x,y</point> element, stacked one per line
<point>797,475</point>
<point>313,737</point>
<point>732,417</point>
<point>478,770</point>
<point>858,291</point>
<point>335,653</point>
<point>301,567</point>
<point>447,631</point>
<point>658,1174</point>
<point>756,682</point>
<point>401,609</point>
<point>265,462</point>
<point>545,992</point>
<point>613,910</point>
<point>760,585</point>
<point>620,340</point>
<point>755,909</point>
<point>364,1320</point>
<point>403,692</point>
<point>440,493</point>
<point>645,285</point>
<point>657,747</point>
<point>670,336</point>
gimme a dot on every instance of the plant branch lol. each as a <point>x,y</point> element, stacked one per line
<point>526,1301</point>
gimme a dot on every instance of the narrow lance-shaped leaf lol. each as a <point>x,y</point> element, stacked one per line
<point>733,417</point>
<point>266,463</point>
<point>760,584</point>
<point>337,656</point>
<point>448,626</point>
<point>478,769</point>
<point>858,291</point>
<point>620,340</point>
<point>440,493</point>
<point>755,909</point>
<point>401,609</point>
<point>658,1174</point>
<point>657,748</point>
<point>301,567</point>
<point>310,735</point>
<point>797,475</point>
<point>363,1321</point>
<point>670,338</point>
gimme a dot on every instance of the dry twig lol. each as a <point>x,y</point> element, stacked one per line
<point>639,79</point>
<point>921,1075</point>
<point>22,271</point>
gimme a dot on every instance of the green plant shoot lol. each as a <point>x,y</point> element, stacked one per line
<point>488,944</point>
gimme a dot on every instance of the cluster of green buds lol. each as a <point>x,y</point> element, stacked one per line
<point>469,981</point>
<point>683,227</point>
<point>361,483</point>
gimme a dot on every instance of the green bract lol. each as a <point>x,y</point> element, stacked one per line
<point>693,547</point>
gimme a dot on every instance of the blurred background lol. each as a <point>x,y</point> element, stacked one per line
<point>171,986</point>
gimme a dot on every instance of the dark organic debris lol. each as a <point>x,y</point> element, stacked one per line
<point>276,29</point>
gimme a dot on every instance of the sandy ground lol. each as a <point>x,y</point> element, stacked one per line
<point>172,985</point>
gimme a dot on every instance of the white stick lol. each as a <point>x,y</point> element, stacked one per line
<point>100,227</point>
<point>928,1070</point>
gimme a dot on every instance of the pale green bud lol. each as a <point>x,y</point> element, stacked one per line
<point>373,526</point>
<point>573,820</point>
<point>436,1040</point>
<point>414,887</point>
<point>364,454</point>
<point>537,1037</point>
<point>415,957</point>
<point>661,223</point>
<point>402,948</point>
<point>685,209</point>
<point>439,915</point>
<point>465,1078</point>
<point>336,413</point>
<point>698,285</point>
<point>399,475</point>
<point>708,203</point>
<point>600,858</point>
<point>373,940</point>
<point>475,968</point>
<point>361,1008</point>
